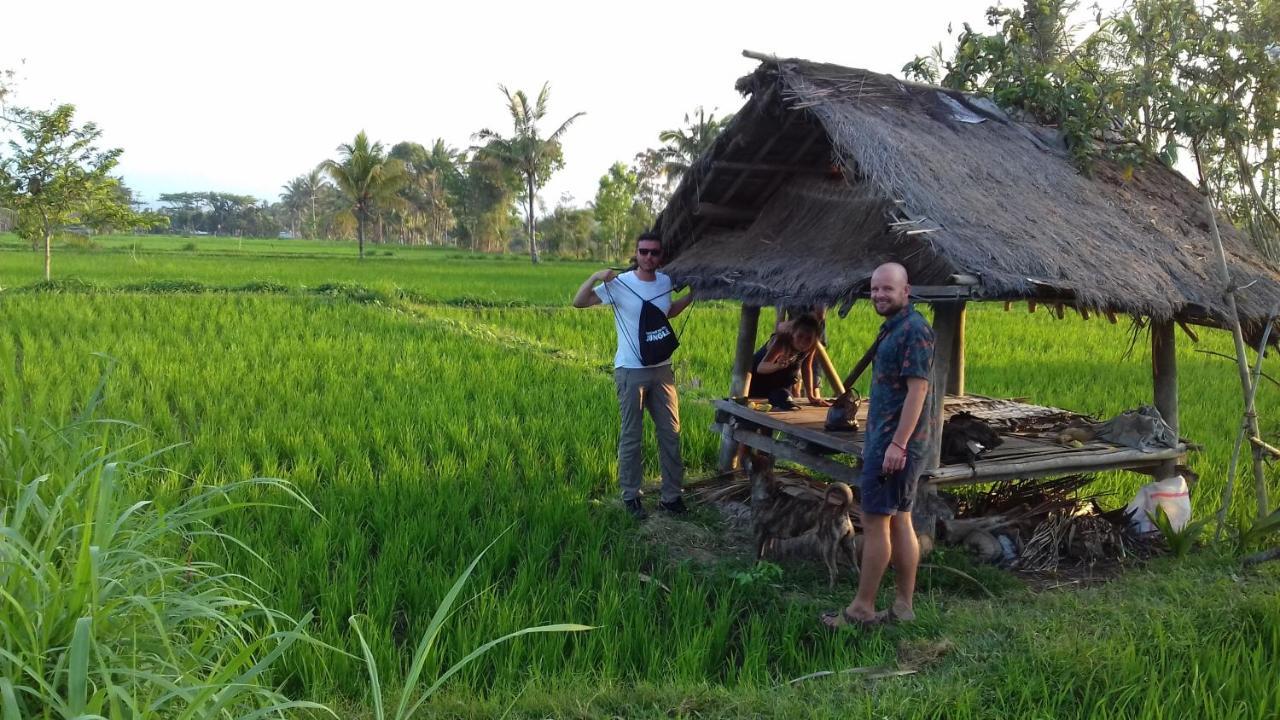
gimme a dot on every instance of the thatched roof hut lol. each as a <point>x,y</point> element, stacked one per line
<point>827,171</point>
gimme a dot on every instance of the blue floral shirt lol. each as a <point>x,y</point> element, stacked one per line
<point>905,352</point>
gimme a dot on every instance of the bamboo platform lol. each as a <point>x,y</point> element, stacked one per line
<point>798,436</point>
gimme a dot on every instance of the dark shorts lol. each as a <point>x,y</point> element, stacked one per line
<point>886,495</point>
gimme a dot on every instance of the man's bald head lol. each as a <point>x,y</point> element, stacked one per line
<point>889,288</point>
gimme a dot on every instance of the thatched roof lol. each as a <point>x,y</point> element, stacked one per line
<point>828,171</point>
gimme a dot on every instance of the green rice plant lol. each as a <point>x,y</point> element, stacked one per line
<point>408,706</point>
<point>99,618</point>
<point>1180,541</point>
<point>1251,536</point>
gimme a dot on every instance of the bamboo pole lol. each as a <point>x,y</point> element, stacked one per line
<point>829,369</point>
<point>740,384</point>
<point>946,320</point>
<point>1242,365</point>
<point>1164,377</point>
<point>955,378</point>
<point>1244,429</point>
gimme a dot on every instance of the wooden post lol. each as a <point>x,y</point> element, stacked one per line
<point>829,369</point>
<point>946,320</point>
<point>742,354</point>
<point>1164,377</point>
<point>955,381</point>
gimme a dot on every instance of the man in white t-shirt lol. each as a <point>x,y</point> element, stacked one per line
<point>641,387</point>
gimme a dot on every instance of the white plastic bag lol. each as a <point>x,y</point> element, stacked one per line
<point>1170,495</point>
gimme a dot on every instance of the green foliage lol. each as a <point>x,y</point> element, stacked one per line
<point>1148,80</point>
<point>408,705</point>
<point>100,617</point>
<point>219,213</point>
<point>1180,541</point>
<point>525,152</point>
<point>1249,537</point>
<point>618,210</point>
<point>367,178</point>
<point>761,574</point>
<point>568,232</point>
<point>685,144</point>
<point>470,398</point>
<point>54,171</point>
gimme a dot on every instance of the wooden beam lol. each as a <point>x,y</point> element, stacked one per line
<point>713,212</point>
<point>955,380</point>
<point>738,387</point>
<point>946,320</point>
<point>760,154</point>
<point>786,451</point>
<point>769,167</point>
<point>1164,377</point>
<point>995,471</point>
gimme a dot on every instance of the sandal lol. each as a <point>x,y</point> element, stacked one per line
<point>834,620</point>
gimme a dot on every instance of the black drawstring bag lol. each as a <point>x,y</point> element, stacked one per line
<point>841,414</point>
<point>657,339</point>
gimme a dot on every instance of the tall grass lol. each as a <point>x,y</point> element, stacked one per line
<point>103,610</point>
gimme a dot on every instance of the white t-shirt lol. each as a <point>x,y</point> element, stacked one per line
<point>626,312</point>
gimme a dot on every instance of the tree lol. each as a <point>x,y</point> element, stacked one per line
<point>653,188</point>
<point>683,145</point>
<point>367,178</point>
<point>567,231</point>
<point>428,212</point>
<point>1152,78</point>
<point>114,208</point>
<point>55,170</point>
<point>484,195</point>
<point>617,209</point>
<point>530,155</point>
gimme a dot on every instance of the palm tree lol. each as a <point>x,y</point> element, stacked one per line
<point>531,156</point>
<point>686,144</point>
<point>293,199</point>
<point>367,178</point>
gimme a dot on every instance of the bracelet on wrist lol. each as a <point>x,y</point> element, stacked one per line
<point>900,447</point>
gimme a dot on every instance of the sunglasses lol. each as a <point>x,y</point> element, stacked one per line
<point>648,251</point>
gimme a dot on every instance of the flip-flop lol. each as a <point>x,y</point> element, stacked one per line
<point>828,620</point>
<point>892,616</point>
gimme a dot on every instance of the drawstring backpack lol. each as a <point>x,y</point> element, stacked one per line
<point>656,340</point>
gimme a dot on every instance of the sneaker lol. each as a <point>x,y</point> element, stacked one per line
<point>635,508</point>
<point>675,507</point>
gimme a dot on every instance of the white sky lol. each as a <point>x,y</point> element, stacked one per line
<point>240,96</point>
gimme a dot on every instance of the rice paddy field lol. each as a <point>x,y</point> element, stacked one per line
<point>427,400</point>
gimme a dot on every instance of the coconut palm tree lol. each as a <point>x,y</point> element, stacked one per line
<point>367,178</point>
<point>686,144</point>
<point>533,157</point>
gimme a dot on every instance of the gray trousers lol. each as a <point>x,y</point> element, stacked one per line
<point>652,389</point>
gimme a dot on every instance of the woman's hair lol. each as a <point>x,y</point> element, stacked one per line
<point>806,323</point>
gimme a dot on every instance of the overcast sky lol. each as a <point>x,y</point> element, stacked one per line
<point>241,96</point>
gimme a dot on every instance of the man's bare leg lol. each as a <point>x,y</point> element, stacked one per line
<point>906,558</point>
<point>875,560</point>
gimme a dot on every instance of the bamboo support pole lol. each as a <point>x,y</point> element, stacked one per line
<point>1242,365</point>
<point>946,320</point>
<point>741,383</point>
<point>955,378</point>
<point>829,369</point>
<point>1164,377</point>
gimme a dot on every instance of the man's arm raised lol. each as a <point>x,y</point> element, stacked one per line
<point>586,296</point>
